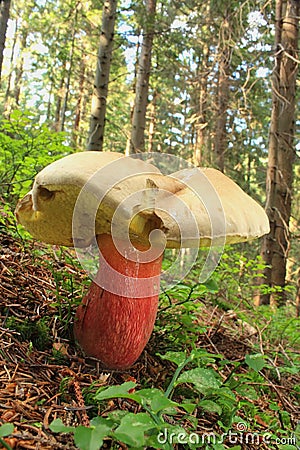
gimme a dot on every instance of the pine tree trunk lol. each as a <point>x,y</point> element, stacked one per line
<point>4,16</point>
<point>7,107</point>
<point>275,245</point>
<point>80,96</point>
<point>97,121</point>
<point>220,140</point>
<point>137,140</point>
<point>199,153</point>
<point>20,68</point>
<point>152,123</point>
<point>69,73</point>
<point>59,97</point>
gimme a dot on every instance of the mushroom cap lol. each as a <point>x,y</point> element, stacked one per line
<point>222,211</point>
<point>91,193</point>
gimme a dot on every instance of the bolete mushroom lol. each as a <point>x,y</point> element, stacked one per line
<point>130,211</point>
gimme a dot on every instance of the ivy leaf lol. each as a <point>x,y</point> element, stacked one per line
<point>255,362</point>
<point>132,428</point>
<point>57,426</point>
<point>90,438</point>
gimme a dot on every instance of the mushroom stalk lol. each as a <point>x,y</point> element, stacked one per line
<point>115,328</point>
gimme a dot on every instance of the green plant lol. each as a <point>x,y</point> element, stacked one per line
<point>37,332</point>
<point>178,316</point>
<point>5,430</point>
<point>26,146</point>
<point>145,428</point>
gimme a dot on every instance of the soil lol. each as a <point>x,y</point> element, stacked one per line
<point>43,373</point>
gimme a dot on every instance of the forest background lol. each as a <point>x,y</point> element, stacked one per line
<point>215,72</point>
<point>218,87</point>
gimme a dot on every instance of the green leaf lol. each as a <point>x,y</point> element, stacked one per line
<point>156,399</point>
<point>90,438</point>
<point>6,429</point>
<point>188,407</point>
<point>202,379</point>
<point>211,285</point>
<point>105,421</point>
<point>287,447</point>
<point>210,406</point>
<point>177,358</point>
<point>116,391</point>
<point>57,426</point>
<point>204,355</point>
<point>132,428</point>
<point>115,416</point>
<point>255,362</point>
<point>247,391</point>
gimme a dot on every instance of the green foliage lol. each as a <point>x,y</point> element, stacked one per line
<point>37,332</point>
<point>255,362</point>
<point>200,384</point>
<point>144,428</point>
<point>5,430</point>
<point>153,426</point>
<point>26,146</point>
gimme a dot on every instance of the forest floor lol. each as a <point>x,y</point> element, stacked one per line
<point>43,373</point>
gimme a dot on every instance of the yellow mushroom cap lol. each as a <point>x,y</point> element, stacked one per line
<point>193,207</point>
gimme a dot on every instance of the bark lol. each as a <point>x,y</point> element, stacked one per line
<point>137,139</point>
<point>220,140</point>
<point>152,123</point>
<point>128,140</point>
<point>20,67</point>
<point>59,97</point>
<point>275,245</point>
<point>199,154</point>
<point>4,16</point>
<point>69,73</point>
<point>12,57</point>
<point>80,96</point>
<point>98,113</point>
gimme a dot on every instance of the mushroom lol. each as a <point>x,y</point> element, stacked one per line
<point>129,211</point>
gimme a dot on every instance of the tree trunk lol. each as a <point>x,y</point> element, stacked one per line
<point>137,51</point>
<point>137,141</point>
<point>97,121</point>
<point>220,140</point>
<point>7,107</point>
<point>275,245</point>
<point>199,156</point>
<point>59,96</point>
<point>152,123</point>
<point>4,16</point>
<point>20,67</point>
<point>80,96</point>
<point>69,73</point>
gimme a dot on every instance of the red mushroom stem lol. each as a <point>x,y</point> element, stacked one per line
<point>115,328</point>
